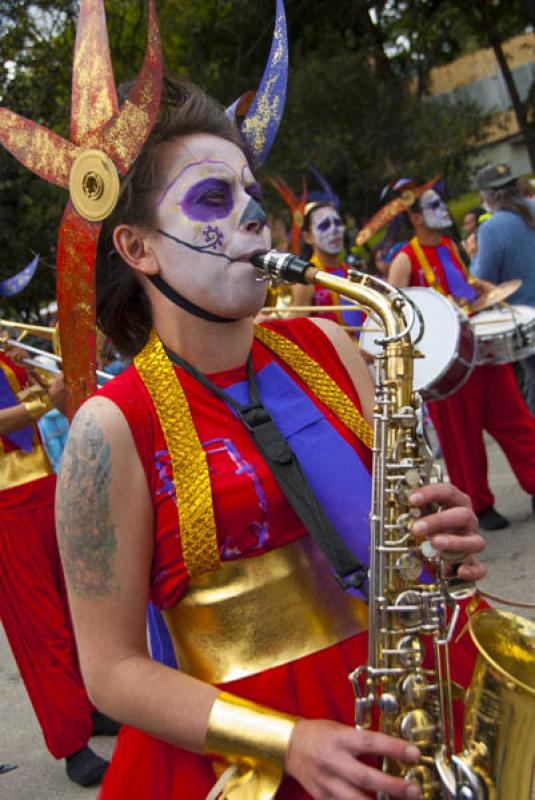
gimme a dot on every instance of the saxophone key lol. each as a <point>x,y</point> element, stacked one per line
<point>410,652</point>
<point>417,727</point>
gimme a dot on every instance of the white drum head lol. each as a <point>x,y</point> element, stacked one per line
<point>439,343</point>
<point>501,319</point>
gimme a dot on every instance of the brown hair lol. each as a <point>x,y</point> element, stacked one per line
<point>123,310</point>
<point>510,198</point>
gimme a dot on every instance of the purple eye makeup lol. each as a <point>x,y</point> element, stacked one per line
<point>254,190</point>
<point>326,224</point>
<point>207,200</point>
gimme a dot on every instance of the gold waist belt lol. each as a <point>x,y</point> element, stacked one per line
<point>18,466</point>
<point>261,612</point>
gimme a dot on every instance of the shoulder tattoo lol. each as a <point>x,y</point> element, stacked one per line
<point>86,531</point>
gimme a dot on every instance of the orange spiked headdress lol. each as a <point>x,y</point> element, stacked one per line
<point>297,206</point>
<point>105,142</point>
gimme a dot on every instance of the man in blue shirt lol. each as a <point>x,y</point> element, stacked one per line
<point>506,245</point>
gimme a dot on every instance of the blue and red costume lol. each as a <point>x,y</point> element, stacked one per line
<point>252,517</point>
<point>489,401</point>
<point>33,602</point>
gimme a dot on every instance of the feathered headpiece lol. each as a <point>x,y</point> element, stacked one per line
<point>300,206</point>
<point>297,206</point>
<point>105,142</point>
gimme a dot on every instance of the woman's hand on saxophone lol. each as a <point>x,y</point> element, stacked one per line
<point>453,529</point>
<point>324,757</point>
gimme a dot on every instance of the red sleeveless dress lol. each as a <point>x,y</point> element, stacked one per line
<point>315,686</point>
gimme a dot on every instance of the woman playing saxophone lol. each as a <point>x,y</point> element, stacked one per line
<point>163,495</point>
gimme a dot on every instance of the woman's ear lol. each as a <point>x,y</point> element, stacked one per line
<point>308,238</point>
<point>134,246</point>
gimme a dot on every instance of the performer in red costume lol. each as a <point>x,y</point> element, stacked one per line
<point>490,400</point>
<point>163,495</point>
<point>323,237</point>
<point>148,506</point>
<point>33,601</point>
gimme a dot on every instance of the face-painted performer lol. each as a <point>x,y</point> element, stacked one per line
<point>323,235</point>
<point>33,603</point>
<point>490,399</point>
<point>320,227</point>
<point>164,494</point>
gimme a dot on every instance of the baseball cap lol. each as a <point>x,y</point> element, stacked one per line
<point>494,176</point>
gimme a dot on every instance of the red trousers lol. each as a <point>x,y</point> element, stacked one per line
<point>490,401</point>
<point>35,615</point>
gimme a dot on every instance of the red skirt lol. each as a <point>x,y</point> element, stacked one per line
<point>314,687</point>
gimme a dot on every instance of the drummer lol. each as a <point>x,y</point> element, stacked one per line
<point>490,400</point>
<point>507,245</point>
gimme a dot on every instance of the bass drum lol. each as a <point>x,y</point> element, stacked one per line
<point>448,344</point>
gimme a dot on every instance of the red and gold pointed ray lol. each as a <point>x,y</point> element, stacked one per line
<point>114,136</point>
<point>386,214</point>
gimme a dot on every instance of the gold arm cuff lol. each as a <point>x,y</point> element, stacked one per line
<point>253,736</point>
<point>37,404</point>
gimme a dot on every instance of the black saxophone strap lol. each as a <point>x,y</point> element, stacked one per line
<point>286,469</point>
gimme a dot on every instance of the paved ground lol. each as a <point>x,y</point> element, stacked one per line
<point>510,557</point>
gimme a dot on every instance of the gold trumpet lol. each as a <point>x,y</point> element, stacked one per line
<point>43,332</point>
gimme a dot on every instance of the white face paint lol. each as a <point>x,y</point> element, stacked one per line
<point>435,211</point>
<point>209,224</point>
<point>327,230</point>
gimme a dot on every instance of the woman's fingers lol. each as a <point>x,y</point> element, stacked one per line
<point>325,756</point>
<point>374,780</point>
<point>472,570</point>
<point>443,494</point>
<point>459,518</point>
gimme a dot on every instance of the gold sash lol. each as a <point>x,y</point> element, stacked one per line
<point>260,612</point>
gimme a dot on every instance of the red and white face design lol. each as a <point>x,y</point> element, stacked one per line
<point>327,230</point>
<point>209,224</point>
<point>435,211</point>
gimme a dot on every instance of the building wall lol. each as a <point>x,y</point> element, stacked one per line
<point>477,78</point>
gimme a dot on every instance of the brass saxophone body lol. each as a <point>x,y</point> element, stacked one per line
<point>413,595</point>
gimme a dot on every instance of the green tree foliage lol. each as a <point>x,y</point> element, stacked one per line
<point>351,108</point>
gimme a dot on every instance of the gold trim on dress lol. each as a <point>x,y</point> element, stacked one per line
<point>261,612</point>
<point>188,459</point>
<point>318,381</point>
<point>18,466</point>
<point>189,464</point>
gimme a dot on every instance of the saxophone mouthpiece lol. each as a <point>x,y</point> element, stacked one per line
<point>284,266</point>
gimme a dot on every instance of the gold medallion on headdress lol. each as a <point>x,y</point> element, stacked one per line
<point>105,141</point>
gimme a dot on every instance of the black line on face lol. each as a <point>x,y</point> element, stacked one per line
<point>205,249</point>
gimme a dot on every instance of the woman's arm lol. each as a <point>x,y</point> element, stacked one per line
<point>13,419</point>
<point>105,526</point>
<point>104,521</point>
<point>399,273</point>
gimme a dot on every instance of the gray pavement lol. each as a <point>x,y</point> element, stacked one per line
<point>510,557</point>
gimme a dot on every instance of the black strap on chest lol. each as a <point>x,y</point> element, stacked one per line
<point>286,469</point>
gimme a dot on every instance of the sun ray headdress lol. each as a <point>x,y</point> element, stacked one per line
<point>105,142</point>
<point>408,192</point>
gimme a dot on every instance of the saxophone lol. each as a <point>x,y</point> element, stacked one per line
<point>406,610</point>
